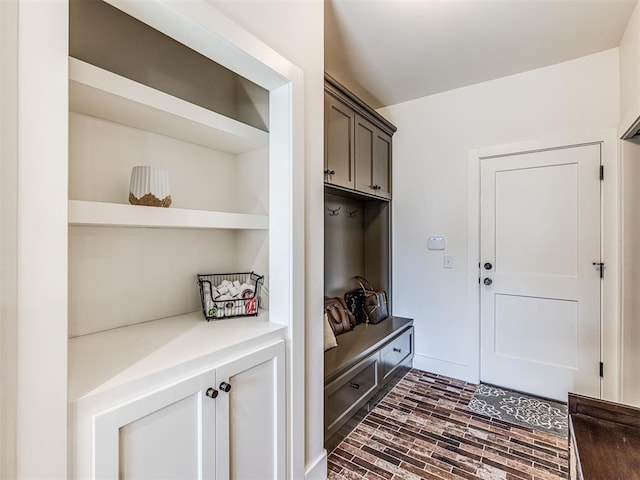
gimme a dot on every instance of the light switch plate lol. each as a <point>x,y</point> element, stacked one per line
<point>448,261</point>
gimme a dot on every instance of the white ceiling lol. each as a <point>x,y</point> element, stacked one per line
<point>391,51</point>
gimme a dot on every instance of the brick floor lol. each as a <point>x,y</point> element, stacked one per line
<point>422,429</point>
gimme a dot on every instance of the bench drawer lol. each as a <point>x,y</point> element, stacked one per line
<point>395,353</point>
<point>349,392</point>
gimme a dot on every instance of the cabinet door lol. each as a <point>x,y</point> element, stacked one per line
<point>382,164</point>
<point>250,417</point>
<point>339,128</point>
<point>168,433</point>
<point>372,159</point>
<point>364,153</point>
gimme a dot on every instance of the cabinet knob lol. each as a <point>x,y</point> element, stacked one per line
<point>487,281</point>
<point>355,385</point>
<point>212,392</point>
<point>330,172</point>
<point>225,387</point>
<point>399,350</point>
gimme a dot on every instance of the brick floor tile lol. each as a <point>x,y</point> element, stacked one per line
<point>423,430</point>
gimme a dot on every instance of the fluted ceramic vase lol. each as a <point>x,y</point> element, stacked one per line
<point>149,186</point>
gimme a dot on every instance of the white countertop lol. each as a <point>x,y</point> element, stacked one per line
<point>104,360</point>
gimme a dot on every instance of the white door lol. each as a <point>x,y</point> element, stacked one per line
<point>540,289</point>
<point>168,433</point>
<point>250,416</point>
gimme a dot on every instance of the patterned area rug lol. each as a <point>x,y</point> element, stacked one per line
<point>522,409</point>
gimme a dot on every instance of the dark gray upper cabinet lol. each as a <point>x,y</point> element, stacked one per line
<point>339,120</point>
<point>372,159</point>
<point>357,143</point>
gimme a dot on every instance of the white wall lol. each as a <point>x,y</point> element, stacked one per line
<point>8,237</point>
<point>295,29</point>
<point>630,72</point>
<point>630,166</point>
<point>631,271</point>
<point>41,236</point>
<point>430,155</point>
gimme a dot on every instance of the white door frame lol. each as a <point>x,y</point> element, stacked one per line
<point>610,241</point>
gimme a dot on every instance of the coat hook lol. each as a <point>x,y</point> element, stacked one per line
<point>334,212</point>
<point>352,213</point>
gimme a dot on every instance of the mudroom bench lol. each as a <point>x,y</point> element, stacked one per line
<point>368,361</point>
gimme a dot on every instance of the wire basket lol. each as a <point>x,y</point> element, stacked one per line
<point>225,295</point>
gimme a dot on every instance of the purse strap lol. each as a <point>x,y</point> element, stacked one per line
<point>364,284</point>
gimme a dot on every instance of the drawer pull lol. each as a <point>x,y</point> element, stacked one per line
<point>399,350</point>
<point>355,385</point>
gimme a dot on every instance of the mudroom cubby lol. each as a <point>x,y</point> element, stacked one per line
<point>356,242</point>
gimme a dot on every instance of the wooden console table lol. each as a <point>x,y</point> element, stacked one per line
<point>604,440</point>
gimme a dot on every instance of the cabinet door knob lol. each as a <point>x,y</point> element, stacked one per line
<point>329,172</point>
<point>487,281</point>
<point>399,350</point>
<point>225,387</point>
<point>212,392</point>
<point>355,385</point>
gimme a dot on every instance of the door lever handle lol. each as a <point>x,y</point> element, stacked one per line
<point>600,266</point>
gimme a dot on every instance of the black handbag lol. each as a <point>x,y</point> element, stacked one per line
<point>355,301</point>
<point>374,302</point>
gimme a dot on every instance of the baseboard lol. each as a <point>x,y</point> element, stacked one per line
<point>444,367</point>
<point>318,471</point>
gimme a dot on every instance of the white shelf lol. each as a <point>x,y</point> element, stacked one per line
<point>170,346</point>
<point>122,215</point>
<point>103,94</point>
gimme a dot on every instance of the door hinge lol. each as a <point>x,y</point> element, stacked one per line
<point>601,172</point>
<point>601,369</point>
<point>600,266</point>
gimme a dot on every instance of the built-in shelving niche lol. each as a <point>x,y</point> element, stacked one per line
<point>102,35</point>
<point>356,241</point>
<point>139,97</point>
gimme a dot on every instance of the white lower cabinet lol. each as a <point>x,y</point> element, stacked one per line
<point>195,429</point>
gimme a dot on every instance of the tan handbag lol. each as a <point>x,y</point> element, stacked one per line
<point>340,318</point>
